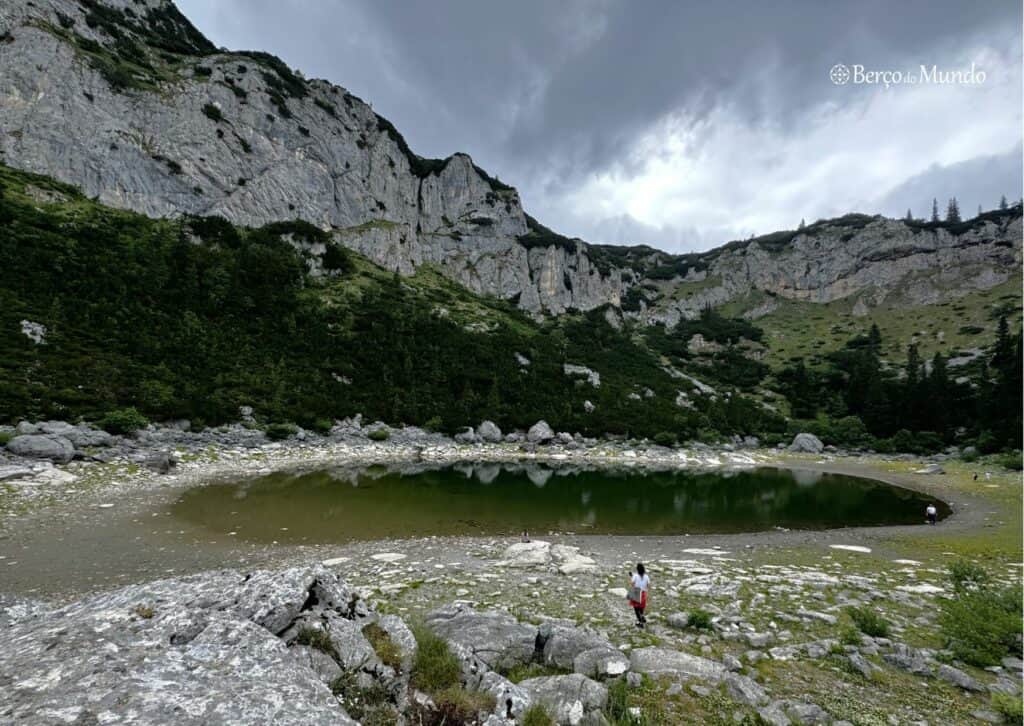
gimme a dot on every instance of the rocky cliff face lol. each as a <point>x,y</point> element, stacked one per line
<point>125,99</point>
<point>874,260</point>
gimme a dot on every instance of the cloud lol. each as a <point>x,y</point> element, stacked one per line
<point>677,124</point>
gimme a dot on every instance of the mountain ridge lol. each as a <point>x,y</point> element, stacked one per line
<point>147,115</point>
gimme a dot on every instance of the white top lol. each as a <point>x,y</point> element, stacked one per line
<point>642,582</point>
<point>930,509</point>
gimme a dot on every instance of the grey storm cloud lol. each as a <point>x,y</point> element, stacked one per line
<point>585,103</point>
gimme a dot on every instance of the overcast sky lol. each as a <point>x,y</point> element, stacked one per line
<point>677,124</point>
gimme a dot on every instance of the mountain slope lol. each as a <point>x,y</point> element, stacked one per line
<point>126,100</point>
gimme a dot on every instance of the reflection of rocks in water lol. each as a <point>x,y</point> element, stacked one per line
<point>487,473</point>
<point>241,492</point>
<point>679,501</point>
<point>585,498</point>
<point>345,475</point>
<point>806,478</point>
<point>465,469</point>
<point>538,475</point>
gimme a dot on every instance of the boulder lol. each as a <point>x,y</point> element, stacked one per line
<point>958,678</point>
<point>466,437</point>
<point>569,699</point>
<point>42,446</point>
<point>562,643</point>
<point>496,638</point>
<point>745,690</point>
<point>807,713</point>
<point>14,472</point>
<point>82,436</point>
<point>488,431</point>
<point>807,443</point>
<point>909,659</point>
<point>600,663</point>
<point>540,433</point>
<point>663,661</point>
<point>527,554</point>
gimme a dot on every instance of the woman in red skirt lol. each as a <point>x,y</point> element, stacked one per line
<point>639,583</point>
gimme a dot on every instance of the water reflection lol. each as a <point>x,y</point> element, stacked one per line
<point>416,499</point>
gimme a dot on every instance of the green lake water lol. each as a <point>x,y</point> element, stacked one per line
<point>345,504</point>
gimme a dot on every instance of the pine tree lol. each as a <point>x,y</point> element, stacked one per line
<point>979,210</point>
<point>1002,203</point>
<point>953,211</point>
<point>909,217</point>
<point>875,338</point>
<point>802,224</point>
<point>935,210</point>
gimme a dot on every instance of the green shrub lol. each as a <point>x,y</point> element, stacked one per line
<point>323,426</point>
<point>369,705</point>
<point>981,626</point>
<point>665,438</point>
<point>388,652</point>
<point>435,667</point>
<point>379,435</point>
<point>1011,461</point>
<point>532,670</point>
<point>337,258</point>
<point>213,113</point>
<point>280,431</point>
<point>849,635</point>
<point>868,621</point>
<point>123,421</point>
<point>434,423</point>
<point>699,619</point>
<point>5,436</point>
<point>1009,707</point>
<point>966,575</point>
<point>536,715</point>
<point>318,639</point>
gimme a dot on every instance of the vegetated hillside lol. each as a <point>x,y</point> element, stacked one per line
<point>196,317</point>
<point>102,309</point>
<point>135,106</point>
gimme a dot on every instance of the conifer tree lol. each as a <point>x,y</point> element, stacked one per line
<point>935,210</point>
<point>1002,203</point>
<point>909,217</point>
<point>953,211</point>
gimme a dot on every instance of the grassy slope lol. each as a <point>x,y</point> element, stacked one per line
<point>810,329</point>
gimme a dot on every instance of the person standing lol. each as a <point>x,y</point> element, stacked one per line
<point>931,513</point>
<point>639,584</point>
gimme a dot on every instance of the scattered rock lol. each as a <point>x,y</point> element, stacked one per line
<point>807,443</point>
<point>569,699</point>
<point>662,661</point>
<point>958,678</point>
<point>42,446</point>
<point>540,433</point>
<point>488,431</point>
<point>497,639</point>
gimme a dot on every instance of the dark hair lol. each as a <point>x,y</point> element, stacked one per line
<point>640,568</point>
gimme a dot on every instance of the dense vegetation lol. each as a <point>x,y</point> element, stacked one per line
<point>856,401</point>
<point>194,318</point>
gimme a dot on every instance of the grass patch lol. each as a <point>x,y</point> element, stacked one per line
<point>521,672</point>
<point>370,706</point>
<point>144,611</point>
<point>537,715</point>
<point>383,645</point>
<point>435,667</point>
<point>318,639</point>
<point>379,435</point>
<point>868,621</point>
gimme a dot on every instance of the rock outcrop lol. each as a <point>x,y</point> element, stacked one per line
<point>138,109</point>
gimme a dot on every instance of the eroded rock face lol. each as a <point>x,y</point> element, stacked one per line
<point>224,140</point>
<point>193,650</point>
<point>569,699</point>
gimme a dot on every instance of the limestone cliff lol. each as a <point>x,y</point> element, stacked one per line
<point>126,99</point>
